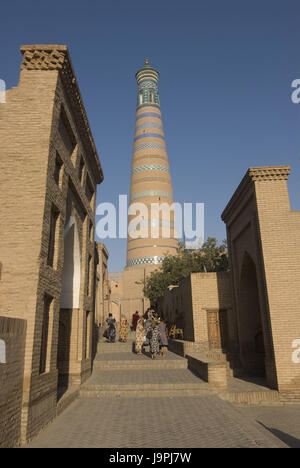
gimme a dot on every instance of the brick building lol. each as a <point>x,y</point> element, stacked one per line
<point>249,316</point>
<point>264,251</point>
<point>49,169</point>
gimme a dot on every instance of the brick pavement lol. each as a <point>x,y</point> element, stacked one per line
<point>155,423</point>
<point>124,421</point>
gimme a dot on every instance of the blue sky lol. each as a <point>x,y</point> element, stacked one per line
<point>226,69</point>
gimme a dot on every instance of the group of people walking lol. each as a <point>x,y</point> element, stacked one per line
<point>150,330</point>
<point>111,331</point>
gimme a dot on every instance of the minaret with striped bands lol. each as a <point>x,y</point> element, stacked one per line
<point>150,178</point>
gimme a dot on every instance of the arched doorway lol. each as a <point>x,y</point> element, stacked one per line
<point>70,299</point>
<point>252,350</point>
<point>71,276</point>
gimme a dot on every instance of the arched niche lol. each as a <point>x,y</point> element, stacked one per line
<point>71,276</point>
<point>252,349</point>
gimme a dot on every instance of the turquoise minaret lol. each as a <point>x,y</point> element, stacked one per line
<point>150,177</point>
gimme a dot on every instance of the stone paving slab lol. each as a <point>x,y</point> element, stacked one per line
<point>156,423</point>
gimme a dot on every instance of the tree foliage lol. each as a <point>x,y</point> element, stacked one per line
<point>211,257</point>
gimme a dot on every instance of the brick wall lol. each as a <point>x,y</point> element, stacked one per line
<point>13,333</point>
<point>209,291</point>
<point>280,241</point>
<point>262,231</point>
<point>186,305</point>
<point>48,166</point>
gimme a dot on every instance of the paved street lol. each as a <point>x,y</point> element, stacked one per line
<point>156,423</point>
<point>133,402</point>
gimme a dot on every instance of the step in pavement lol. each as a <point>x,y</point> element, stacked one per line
<point>130,361</point>
<point>151,383</point>
<point>117,347</point>
<point>119,372</point>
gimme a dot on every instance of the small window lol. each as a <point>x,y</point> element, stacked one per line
<point>89,191</point>
<point>2,352</point>
<point>87,335</point>
<point>54,215</point>
<point>66,132</point>
<point>91,231</point>
<point>89,275</point>
<point>81,169</point>
<point>58,170</point>
<point>45,334</point>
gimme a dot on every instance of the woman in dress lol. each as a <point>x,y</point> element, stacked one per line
<point>123,329</point>
<point>148,326</point>
<point>163,337</point>
<point>154,340</point>
<point>139,336</point>
<point>111,329</point>
<point>135,319</point>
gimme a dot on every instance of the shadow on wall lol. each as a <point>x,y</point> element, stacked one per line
<point>223,317</point>
<point>240,331</point>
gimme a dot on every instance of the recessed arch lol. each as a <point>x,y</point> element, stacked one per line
<point>71,276</point>
<point>251,338</point>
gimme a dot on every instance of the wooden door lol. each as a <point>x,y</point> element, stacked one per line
<point>217,329</point>
<point>214,333</point>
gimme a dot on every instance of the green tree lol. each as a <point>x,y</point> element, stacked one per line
<point>211,257</point>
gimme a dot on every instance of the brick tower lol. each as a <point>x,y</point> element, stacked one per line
<point>150,177</point>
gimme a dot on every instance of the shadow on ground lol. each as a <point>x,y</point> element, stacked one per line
<point>289,440</point>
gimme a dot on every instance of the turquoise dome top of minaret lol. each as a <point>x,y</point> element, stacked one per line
<point>147,79</point>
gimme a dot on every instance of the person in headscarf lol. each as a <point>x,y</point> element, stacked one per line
<point>111,329</point>
<point>124,325</point>
<point>148,326</point>
<point>163,337</point>
<point>139,336</point>
<point>135,319</point>
<point>154,340</point>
